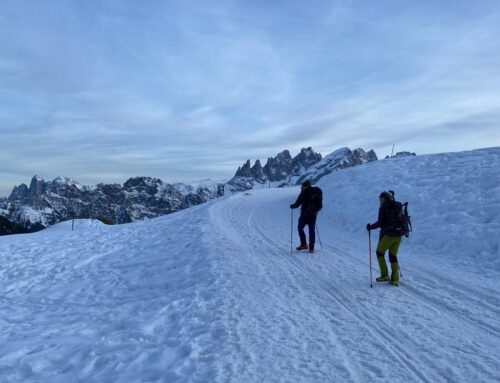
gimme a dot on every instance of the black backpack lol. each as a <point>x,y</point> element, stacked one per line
<point>400,220</point>
<point>316,199</point>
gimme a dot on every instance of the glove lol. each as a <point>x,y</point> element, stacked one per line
<point>368,227</point>
<point>292,206</point>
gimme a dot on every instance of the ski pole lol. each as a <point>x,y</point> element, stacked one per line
<point>370,255</point>
<point>319,238</point>
<point>291,232</point>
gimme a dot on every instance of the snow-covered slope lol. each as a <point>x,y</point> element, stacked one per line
<point>127,303</point>
<point>213,294</point>
<point>339,159</point>
<point>454,201</point>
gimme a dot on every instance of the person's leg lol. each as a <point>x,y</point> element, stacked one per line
<point>382,247</point>
<point>311,222</point>
<point>393,258</point>
<point>302,235</point>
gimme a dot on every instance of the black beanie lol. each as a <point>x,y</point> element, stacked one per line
<point>386,195</point>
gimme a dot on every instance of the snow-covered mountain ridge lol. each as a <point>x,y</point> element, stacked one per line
<point>45,203</point>
<point>283,170</point>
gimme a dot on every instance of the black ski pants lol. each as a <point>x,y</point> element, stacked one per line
<point>307,220</point>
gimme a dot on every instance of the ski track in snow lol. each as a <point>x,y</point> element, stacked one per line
<point>213,294</point>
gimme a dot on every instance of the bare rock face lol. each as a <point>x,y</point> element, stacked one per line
<point>244,171</point>
<point>304,160</point>
<point>280,167</point>
<point>45,203</point>
<point>38,186</point>
<point>277,169</point>
<point>371,156</point>
<point>19,192</point>
<point>258,172</point>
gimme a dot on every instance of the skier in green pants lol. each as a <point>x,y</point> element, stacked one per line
<point>390,237</point>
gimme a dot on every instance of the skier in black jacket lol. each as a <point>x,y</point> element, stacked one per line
<point>311,201</point>
<point>390,237</point>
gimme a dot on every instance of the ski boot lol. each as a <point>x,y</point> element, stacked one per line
<point>395,274</point>
<point>311,248</point>
<point>384,273</point>
<point>301,247</point>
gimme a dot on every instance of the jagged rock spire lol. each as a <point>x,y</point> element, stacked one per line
<point>244,171</point>
<point>258,171</point>
<point>280,167</point>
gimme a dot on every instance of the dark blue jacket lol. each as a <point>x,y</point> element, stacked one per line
<point>310,199</point>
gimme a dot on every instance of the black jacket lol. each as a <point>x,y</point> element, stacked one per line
<point>384,221</point>
<point>310,200</point>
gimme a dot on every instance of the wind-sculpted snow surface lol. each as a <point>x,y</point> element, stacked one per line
<point>127,303</point>
<point>214,294</point>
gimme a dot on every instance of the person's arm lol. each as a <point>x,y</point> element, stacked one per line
<point>298,202</point>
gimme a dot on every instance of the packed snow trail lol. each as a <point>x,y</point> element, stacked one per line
<point>297,317</point>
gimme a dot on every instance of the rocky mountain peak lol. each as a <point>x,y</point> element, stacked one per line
<point>66,182</point>
<point>258,171</point>
<point>304,160</point>
<point>38,186</point>
<point>371,156</point>
<point>279,167</point>
<point>244,171</point>
<point>147,185</point>
<point>19,192</point>
<point>284,155</point>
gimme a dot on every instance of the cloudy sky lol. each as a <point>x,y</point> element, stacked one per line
<point>103,90</point>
